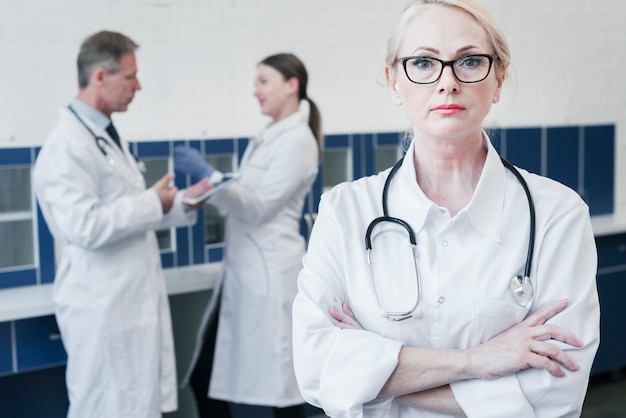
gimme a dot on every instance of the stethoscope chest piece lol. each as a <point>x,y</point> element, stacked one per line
<point>522,290</point>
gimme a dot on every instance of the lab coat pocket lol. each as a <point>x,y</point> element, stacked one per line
<point>492,317</point>
<point>251,270</point>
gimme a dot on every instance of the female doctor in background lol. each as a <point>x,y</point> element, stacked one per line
<point>252,363</point>
<point>471,342</point>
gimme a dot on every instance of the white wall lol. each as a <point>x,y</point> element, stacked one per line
<point>197,60</point>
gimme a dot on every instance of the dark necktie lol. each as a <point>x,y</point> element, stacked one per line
<point>113,134</point>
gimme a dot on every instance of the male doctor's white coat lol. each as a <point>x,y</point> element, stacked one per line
<point>109,291</point>
<point>466,263</point>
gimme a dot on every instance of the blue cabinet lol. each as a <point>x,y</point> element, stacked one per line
<point>38,343</point>
<point>6,356</point>
<point>611,281</point>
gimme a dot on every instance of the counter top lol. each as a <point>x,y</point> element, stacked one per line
<point>32,301</point>
<point>608,224</point>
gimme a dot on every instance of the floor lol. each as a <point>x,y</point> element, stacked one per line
<point>606,396</point>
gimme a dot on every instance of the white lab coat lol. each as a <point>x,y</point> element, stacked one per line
<point>109,292</point>
<point>466,264</point>
<point>263,255</point>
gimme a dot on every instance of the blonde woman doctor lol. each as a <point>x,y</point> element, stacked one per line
<point>442,326</point>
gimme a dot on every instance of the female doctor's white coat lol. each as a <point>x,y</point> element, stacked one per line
<point>263,255</point>
<point>466,263</point>
<point>109,291</point>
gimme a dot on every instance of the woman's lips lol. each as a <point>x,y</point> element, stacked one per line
<point>448,109</point>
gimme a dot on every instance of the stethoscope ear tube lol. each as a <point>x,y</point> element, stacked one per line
<point>370,228</point>
<point>520,286</point>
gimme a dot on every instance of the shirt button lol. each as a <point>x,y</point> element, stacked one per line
<point>441,299</point>
<point>444,243</point>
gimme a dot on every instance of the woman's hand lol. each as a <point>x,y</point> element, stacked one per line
<point>520,347</point>
<point>197,189</point>
<point>526,345</point>
<point>345,318</point>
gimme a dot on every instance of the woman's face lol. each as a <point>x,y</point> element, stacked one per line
<point>273,91</point>
<point>447,108</point>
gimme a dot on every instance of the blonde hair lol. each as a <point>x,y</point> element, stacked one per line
<point>415,7</point>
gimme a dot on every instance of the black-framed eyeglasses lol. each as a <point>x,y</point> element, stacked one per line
<point>427,70</point>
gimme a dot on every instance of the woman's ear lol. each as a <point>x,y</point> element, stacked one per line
<point>496,96</point>
<point>293,86</point>
<point>500,75</point>
<point>390,76</point>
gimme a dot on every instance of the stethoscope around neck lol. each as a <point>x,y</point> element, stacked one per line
<point>102,144</point>
<point>520,286</point>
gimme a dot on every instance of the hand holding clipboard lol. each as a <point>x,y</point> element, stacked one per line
<point>193,200</point>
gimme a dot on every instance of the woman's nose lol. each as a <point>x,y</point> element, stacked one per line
<point>447,80</point>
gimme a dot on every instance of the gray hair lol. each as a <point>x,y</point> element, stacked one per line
<point>102,49</point>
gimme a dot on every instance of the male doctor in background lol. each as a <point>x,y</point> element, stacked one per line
<point>109,293</point>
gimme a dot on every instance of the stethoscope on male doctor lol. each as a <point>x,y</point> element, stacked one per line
<point>103,144</point>
<point>520,286</point>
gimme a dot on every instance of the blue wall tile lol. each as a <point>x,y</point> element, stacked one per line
<point>15,156</point>
<point>337,141</point>
<point>215,254</point>
<point>563,155</point>
<point>523,148</point>
<point>183,252</point>
<point>153,149</point>
<point>388,139</point>
<point>599,168</point>
<point>46,249</point>
<point>18,277</point>
<point>496,136</point>
<point>219,146</point>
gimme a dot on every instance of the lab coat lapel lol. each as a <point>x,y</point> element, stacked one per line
<point>123,161</point>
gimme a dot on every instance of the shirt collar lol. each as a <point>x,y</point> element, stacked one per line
<point>277,128</point>
<point>88,112</point>
<point>485,207</point>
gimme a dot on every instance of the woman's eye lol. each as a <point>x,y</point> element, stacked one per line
<point>471,61</point>
<point>422,63</point>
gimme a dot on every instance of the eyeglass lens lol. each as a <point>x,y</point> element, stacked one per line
<point>426,70</point>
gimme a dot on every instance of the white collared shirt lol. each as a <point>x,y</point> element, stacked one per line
<point>466,263</point>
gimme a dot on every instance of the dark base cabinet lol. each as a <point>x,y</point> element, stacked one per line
<point>611,281</point>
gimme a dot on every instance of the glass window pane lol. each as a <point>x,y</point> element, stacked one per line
<point>213,225</point>
<point>15,195</point>
<point>222,162</point>
<point>155,169</point>
<point>386,157</point>
<point>16,245</point>
<point>335,168</point>
<point>213,221</point>
<point>164,237</point>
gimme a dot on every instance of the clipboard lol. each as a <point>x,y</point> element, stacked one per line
<point>228,180</point>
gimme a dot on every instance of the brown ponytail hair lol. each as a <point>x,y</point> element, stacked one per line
<point>290,66</point>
